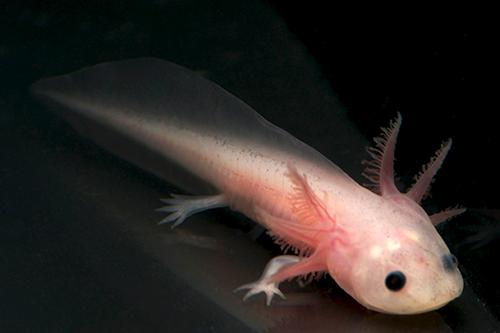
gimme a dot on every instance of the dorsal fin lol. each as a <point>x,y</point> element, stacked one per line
<point>380,170</point>
<point>130,106</point>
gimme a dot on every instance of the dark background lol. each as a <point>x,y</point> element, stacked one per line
<point>433,64</point>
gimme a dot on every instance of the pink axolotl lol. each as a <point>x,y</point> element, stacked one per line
<point>379,245</point>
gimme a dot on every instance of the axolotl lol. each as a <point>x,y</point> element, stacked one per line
<point>377,243</point>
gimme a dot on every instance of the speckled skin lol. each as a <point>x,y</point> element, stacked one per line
<point>307,202</point>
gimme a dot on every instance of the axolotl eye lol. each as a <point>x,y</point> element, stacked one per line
<point>395,281</point>
<point>450,262</point>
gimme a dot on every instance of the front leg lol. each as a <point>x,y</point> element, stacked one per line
<point>282,268</point>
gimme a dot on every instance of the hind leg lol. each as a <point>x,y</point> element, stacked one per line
<point>181,207</point>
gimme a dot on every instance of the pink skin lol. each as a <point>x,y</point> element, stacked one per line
<point>152,112</point>
<point>359,237</point>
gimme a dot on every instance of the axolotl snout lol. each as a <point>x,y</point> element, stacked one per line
<point>378,244</point>
<point>397,262</point>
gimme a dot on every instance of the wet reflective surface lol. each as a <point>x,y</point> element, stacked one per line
<point>81,248</point>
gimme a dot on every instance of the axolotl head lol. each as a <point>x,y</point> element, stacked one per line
<point>400,264</point>
<point>403,266</point>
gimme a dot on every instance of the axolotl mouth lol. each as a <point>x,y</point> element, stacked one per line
<point>423,307</point>
<point>404,311</point>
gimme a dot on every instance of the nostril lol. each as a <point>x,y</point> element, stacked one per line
<point>449,262</point>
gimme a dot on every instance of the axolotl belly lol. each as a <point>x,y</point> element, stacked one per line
<point>378,244</point>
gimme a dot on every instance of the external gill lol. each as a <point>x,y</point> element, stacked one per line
<point>380,170</point>
<point>424,179</point>
<point>446,214</point>
<point>310,218</point>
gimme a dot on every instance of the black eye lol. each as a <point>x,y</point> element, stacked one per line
<point>395,281</point>
<point>449,262</point>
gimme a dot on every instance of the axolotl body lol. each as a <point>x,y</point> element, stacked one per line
<point>378,244</point>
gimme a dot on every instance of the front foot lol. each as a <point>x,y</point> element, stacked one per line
<point>261,285</point>
<point>264,284</point>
